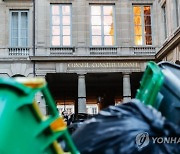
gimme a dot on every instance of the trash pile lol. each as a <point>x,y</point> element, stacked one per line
<point>114,131</point>
<point>138,126</point>
<point>150,123</point>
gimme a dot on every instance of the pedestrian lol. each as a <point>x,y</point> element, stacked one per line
<point>69,118</point>
<point>65,116</point>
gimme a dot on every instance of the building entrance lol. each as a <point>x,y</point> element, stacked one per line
<point>63,88</point>
<point>93,91</point>
<point>104,89</point>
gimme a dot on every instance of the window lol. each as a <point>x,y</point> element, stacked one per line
<point>164,20</point>
<point>61,25</point>
<point>177,12</point>
<point>142,25</point>
<point>19,29</point>
<point>102,25</point>
<point>94,110</point>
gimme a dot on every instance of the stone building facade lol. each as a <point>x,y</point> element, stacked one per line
<point>89,51</point>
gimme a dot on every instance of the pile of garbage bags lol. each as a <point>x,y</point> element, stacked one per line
<point>127,129</point>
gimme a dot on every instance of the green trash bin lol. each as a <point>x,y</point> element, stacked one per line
<point>160,88</point>
<point>169,94</point>
<point>150,85</point>
<point>23,128</point>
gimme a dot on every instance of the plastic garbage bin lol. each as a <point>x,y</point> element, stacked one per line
<point>150,85</point>
<point>23,128</point>
<point>160,88</point>
<point>169,93</point>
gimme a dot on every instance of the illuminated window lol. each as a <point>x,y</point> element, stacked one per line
<point>92,108</point>
<point>142,25</point>
<point>61,25</point>
<point>19,29</point>
<point>102,25</point>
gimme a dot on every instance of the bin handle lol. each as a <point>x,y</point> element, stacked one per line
<point>39,84</point>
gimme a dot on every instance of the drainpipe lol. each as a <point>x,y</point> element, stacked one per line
<point>34,42</point>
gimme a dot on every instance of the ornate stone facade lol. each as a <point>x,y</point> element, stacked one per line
<point>40,58</point>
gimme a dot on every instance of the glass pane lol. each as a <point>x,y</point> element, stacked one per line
<point>138,40</point>
<point>95,10</point>
<point>148,30</point>
<point>96,40</point>
<point>148,40</point>
<point>66,20</point>
<point>108,30</point>
<point>24,20</point>
<point>14,33</point>
<point>96,30</point>
<point>66,30</point>
<point>14,20</point>
<point>23,33</point>
<point>66,40</point>
<point>147,10</point>
<point>14,42</point>
<point>108,20</point>
<point>96,20</point>
<point>66,10</point>
<point>55,10</point>
<point>108,40</point>
<point>56,40</point>
<point>55,30</point>
<point>55,20</point>
<point>137,10</point>
<point>137,30</point>
<point>23,42</point>
<point>137,20</point>
<point>147,20</point>
<point>108,10</point>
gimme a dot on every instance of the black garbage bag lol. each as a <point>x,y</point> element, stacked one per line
<point>72,127</point>
<point>77,120</point>
<point>127,129</point>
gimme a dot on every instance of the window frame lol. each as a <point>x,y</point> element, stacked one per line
<point>61,25</point>
<point>164,13</point>
<point>102,25</point>
<point>19,11</point>
<point>177,12</point>
<point>143,24</point>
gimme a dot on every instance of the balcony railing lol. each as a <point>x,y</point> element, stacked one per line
<point>103,50</point>
<point>144,50</point>
<point>19,51</point>
<point>55,51</point>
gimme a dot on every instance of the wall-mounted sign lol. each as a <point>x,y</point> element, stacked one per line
<point>103,65</point>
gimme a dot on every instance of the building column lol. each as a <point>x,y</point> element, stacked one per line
<point>126,87</point>
<point>40,100</point>
<point>81,94</point>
